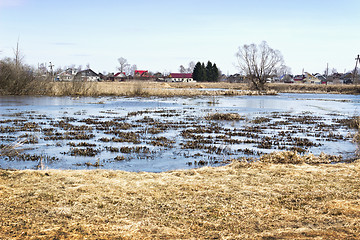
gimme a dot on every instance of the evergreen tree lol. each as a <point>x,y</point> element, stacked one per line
<point>209,72</point>
<point>215,73</point>
<point>203,75</point>
<point>197,72</point>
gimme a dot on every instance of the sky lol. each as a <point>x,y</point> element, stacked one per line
<point>161,35</point>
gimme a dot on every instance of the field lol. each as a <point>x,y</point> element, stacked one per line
<point>262,200</point>
<point>143,88</point>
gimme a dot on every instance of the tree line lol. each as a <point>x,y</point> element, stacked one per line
<point>208,73</point>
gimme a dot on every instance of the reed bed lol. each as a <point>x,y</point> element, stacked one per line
<point>243,200</point>
<point>143,89</point>
<point>315,88</point>
<point>162,89</point>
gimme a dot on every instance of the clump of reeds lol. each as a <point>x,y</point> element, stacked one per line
<point>12,149</point>
<point>225,116</point>
<point>293,157</point>
<point>74,88</point>
<point>138,90</point>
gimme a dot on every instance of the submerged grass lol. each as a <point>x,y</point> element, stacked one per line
<point>259,200</point>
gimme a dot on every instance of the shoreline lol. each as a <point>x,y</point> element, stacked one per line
<point>164,89</point>
<point>170,89</point>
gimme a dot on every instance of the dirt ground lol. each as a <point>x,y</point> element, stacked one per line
<point>259,200</point>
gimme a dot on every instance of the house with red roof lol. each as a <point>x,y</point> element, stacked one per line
<point>181,77</point>
<point>141,74</point>
<point>120,76</point>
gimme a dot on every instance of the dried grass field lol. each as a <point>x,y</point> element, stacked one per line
<point>259,200</point>
<point>170,89</point>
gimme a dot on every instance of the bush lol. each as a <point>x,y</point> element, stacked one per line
<point>15,78</point>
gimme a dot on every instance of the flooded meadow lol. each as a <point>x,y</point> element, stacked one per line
<point>158,134</point>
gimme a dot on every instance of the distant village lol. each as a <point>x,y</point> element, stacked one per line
<point>88,75</point>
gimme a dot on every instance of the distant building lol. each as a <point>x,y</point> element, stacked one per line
<point>141,74</point>
<point>299,78</point>
<point>120,76</point>
<point>347,78</point>
<point>286,78</point>
<point>312,79</point>
<point>180,77</point>
<point>87,75</point>
<point>322,78</point>
<point>66,76</point>
<point>238,78</point>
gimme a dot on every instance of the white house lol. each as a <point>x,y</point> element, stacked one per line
<point>181,77</point>
<point>67,76</point>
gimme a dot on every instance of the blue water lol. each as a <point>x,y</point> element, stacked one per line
<point>187,111</point>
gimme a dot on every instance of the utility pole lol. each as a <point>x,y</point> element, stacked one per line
<point>51,70</point>
<point>327,70</point>
<point>357,60</point>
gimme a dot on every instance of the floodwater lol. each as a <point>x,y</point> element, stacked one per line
<point>159,134</point>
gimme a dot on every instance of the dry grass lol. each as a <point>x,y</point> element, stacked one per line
<point>162,89</point>
<point>240,201</point>
<point>225,116</point>
<point>315,88</point>
<point>291,157</point>
<point>143,89</point>
<point>356,138</point>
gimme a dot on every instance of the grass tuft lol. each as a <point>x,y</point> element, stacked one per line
<point>225,116</point>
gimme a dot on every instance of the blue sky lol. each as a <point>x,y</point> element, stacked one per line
<point>161,35</point>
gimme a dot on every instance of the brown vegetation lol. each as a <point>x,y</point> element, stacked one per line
<point>241,201</point>
<point>18,79</point>
<point>356,125</point>
<point>315,88</point>
<point>225,116</point>
<point>20,84</point>
<point>145,89</point>
<point>138,89</point>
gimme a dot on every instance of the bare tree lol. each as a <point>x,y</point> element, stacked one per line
<point>123,64</point>
<point>17,78</point>
<point>283,70</point>
<point>182,69</point>
<point>130,69</point>
<point>259,62</point>
<point>18,57</point>
<point>191,67</point>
